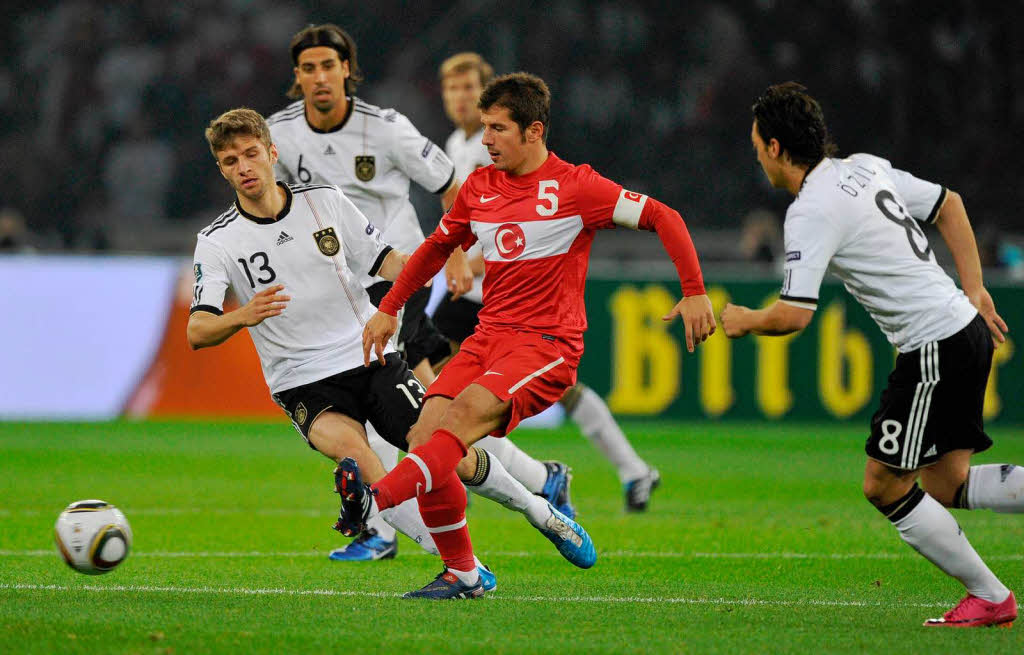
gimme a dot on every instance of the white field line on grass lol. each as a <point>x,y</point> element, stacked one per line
<point>188,511</point>
<point>248,591</point>
<point>625,554</point>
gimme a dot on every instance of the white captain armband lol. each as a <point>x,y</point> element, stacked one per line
<point>628,209</point>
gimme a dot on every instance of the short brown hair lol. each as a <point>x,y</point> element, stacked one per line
<point>327,35</point>
<point>526,97</point>
<point>236,122</point>
<point>464,62</point>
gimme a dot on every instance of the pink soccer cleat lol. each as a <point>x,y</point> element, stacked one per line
<point>974,612</point>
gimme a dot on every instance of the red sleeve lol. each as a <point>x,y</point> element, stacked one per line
<point>452,231</point>
<point>660,218</point>
<point>596,198</point>
<point>605,204</point>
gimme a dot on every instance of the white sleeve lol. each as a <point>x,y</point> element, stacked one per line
<point>364,245</point>
<point>923,198</point>
<point>811,239</point>
<point>211,278</point>
<point>418,157</point>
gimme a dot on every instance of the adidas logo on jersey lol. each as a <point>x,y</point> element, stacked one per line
<point>284,238</point>
<point>329,151</point>
<point>931,452</point>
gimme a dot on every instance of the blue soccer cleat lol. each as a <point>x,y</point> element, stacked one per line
<point>487,578</point>
<point>638,491</point>
<point>367,547</point>
<point>356,498</point>
<point>446,586</point>
<point>556,488</point>
<point>572,540</point>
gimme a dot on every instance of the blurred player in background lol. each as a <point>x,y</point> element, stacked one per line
<point>535,217</point>
<point>330,136</point>
<point>463,77</point>
<point>861,218</point>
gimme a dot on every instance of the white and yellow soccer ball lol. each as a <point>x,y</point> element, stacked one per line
<point>93,536</point>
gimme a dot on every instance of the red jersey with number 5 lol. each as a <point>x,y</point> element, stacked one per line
<point>536,231</point>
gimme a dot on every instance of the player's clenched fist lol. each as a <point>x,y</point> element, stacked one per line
<point>378,330</point>
<point>731,321</point>
<point>698,319</point>
<point>263,305</point>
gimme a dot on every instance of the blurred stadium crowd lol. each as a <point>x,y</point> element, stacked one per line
<point>104,104</point>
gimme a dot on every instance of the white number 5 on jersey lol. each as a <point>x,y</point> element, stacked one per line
<point>544,193</point>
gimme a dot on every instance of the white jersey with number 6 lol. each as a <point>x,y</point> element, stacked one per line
<point>860,219</point>
<point>371,156</point>
<point>318,247</point>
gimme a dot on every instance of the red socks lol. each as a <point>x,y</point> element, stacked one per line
<point>425,469</point>
<point>444,513</point>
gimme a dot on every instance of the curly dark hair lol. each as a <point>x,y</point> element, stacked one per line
<point>327,35</point>
<point>526,97</point>
<point>787,113</point>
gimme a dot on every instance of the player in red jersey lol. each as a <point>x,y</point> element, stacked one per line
<point>535,217</point>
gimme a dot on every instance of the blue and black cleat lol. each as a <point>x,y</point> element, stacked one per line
<point>556,488</point>
<point>356,498</point>
<point>367,547</point>
<point>447,586</point>
<point>638,491</point>
<point>572,540</point>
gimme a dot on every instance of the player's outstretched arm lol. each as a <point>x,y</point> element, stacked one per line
<point>376,333</point>
<point>779,319</point>
<point>955,228</point>
<point>206,329</point>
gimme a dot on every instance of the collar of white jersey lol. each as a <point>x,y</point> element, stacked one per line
<point>344,120</point>
<point>820,167</point>
<point>263,220</point>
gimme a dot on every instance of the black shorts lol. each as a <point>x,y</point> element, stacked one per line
<point>418,339</point>
<point>457,319</point>
<point>389,397</point>
<point>933,402</point>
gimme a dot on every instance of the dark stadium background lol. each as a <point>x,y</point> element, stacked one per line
<point>103,103</point>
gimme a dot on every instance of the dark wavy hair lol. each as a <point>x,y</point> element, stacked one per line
<point>787,113</point>
<point>327,35</point>
<point>526,97</point>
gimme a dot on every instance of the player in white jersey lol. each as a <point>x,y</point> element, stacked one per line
<point>330,136</point>
<point>463,77</point>
<point>861,218</point>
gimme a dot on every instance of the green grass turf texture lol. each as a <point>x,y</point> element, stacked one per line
<point>758,541</point>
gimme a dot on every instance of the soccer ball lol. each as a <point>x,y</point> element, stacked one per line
<point>93,536</point>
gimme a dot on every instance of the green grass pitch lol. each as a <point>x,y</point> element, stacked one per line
<point>758,541</point>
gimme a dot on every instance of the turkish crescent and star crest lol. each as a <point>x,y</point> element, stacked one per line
<point>327,241</point>
<point>510,240</point>
<point>366,167</point>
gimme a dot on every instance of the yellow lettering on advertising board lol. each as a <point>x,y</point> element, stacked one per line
<point>774,396</point>
<point>716,391</point>
<point>646,358</point>
<point>993,403</point>
<point>845,364</point>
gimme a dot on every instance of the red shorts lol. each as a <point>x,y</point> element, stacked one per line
<point>530,369</point>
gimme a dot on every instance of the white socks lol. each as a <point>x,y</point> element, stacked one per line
<point>388,455</point>
<point>999,487</point>
<point>599,426</point>
<point>932,531</point>
<point>530,472</point>
<point>407,520</point>
<point>502,488</point>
